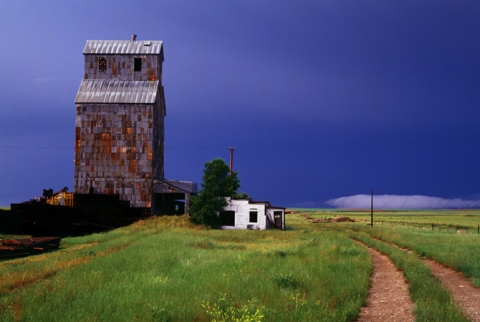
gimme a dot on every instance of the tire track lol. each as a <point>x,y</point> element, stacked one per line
<point>465,295</point>
<point>389,297</point>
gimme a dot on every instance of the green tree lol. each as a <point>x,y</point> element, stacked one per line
<point>217,184</point>
<point>47,193</point>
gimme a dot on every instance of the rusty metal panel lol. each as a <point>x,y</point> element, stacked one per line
<point>115,91</point>
<point>114,164</point>
<point>115,47</point>
<point>121,67</point>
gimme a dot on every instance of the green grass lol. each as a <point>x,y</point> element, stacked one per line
<point>165,269</point>
<point>459,251</point>
<point>431,301</point>
<point>439,217</point>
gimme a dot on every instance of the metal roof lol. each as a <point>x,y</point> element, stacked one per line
<point>117,91</point>
<point>115,47</point>
<point>172,186</point>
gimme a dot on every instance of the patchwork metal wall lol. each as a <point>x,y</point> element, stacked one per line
<point>121,67</point>
<point>119,128</point>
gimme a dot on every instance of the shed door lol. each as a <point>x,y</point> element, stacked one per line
<point>277,215</point>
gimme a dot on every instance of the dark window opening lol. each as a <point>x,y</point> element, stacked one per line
<point>137,64</point>
<point>277,215</point>
<point>227,218</point>
<point>253,216</point>
<point>102,66</point>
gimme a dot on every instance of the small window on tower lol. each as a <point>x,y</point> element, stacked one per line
<point>137,64</point>
<point>102,64</point>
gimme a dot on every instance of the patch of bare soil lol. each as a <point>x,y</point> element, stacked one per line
<point>467,296</point>
<point>389,298</point>
<point>326,220</point>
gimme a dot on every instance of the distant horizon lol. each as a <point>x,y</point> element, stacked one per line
<point>362,202</point>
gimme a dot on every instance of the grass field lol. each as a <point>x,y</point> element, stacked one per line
<point>457,248</point>
<point>459,251</point>
<point>444,220</point>
<point>432,301</point>
<point>166,269</point>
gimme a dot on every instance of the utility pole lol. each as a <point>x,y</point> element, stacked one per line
<point>371,213</point>
<point>231,160</point>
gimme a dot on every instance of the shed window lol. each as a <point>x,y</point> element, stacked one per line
<point>253,216</point>
<point>102,64</point>
<point>137,64</point>
<point>227,218</point>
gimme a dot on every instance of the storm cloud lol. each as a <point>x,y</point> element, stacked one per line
<point>401,202</point>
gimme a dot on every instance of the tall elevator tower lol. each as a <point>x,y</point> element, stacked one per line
<point>119,126</point>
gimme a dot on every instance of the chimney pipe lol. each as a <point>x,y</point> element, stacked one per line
<point>134,37</point>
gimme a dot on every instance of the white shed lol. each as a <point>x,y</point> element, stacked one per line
<point>248,214</point>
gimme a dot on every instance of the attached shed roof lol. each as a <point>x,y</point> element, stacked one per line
<point>126,47</point>
<point>117,91</point>
<point>172,186</point>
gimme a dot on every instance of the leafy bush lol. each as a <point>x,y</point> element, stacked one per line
<point>226,310</point>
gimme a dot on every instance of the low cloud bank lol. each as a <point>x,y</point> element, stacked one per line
<point>401,202</point>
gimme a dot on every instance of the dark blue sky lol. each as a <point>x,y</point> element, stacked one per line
<point>321,99</point>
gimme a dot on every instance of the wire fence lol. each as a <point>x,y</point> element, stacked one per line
<point>460,229</point>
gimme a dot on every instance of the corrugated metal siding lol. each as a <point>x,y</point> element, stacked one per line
<point>116,91</point>
<point>114,47</point>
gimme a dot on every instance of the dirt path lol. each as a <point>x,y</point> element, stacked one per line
<point>464,294</point>
<point>388,299</point>
<point>467,296</point>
